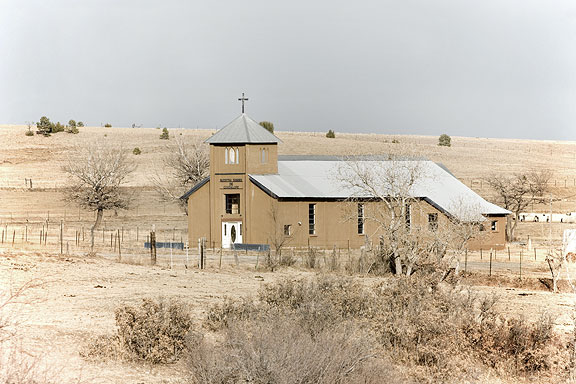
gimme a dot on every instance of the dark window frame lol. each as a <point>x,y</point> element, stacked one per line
<point>361,218</point>
<point>229,200</point>
<point>311,219</point>
<point>433,222</point>
<point>408,217</point>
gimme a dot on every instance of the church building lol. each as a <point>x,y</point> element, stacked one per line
<point>255,196</point>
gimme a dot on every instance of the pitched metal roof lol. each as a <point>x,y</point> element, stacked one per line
<point>195,188</point>
<point>323,180</point>
<point>243,130</point>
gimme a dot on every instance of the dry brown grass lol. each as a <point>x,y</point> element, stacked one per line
<point>470,159</point>
<point>432,332</point>
<point>18,365</point>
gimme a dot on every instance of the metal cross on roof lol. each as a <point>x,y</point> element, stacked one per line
<point>243,99</point>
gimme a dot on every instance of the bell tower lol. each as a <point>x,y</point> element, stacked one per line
<point>241,148</point>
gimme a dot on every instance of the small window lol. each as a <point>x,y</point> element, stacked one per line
<point>264,155</point>
<point>482,229</point>
<point>311,219</point>
<point>494,225</point>
<point>433,222</point>
<point>360,219</point>
<point>233,203</point>
<point>224,229</point>
<point>408,217</point>
<point>240,231</point>
<point>231,155</point>
<point>287,230</point>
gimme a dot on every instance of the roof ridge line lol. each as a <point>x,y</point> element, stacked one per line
<point>246,126</point>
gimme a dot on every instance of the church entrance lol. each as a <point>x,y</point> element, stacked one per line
<point>231,233</point>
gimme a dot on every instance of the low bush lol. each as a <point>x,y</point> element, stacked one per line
<point>136,151</point>
<point>257,352</point>
<point>108,125</point>
<point>154,332</point>
<point>29,133</point>
<point>57,128</point>
<point>72,129</point>
<point>330,134</point>
<point>434,331</point>
<point>311,258</point>
<point>164,135</point>
<point>222,315</point>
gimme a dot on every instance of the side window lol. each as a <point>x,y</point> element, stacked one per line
<point>360,219</point>
<point>408,217</point>
<point>287,230</point>
<point>311,219</point>
<point>263,155</point>
<point>494,225</point>
<point>433,222</point>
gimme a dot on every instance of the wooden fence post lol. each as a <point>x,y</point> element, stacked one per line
<point>202,254</point>
<point>61,235</point>
<point>119,246</point>
<point>153,248</point>
<point>465,260</point>
<point>520,264</point>
<point>490,273</point>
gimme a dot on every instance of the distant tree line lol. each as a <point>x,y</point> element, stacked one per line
<point>46,127</point>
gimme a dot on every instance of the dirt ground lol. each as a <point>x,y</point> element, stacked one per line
<point>75,296</point>
<point>74,299</point>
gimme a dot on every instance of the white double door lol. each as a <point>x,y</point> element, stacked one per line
<point>231,233</point>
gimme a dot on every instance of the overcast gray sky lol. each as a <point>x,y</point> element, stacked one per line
<point>487,68</point>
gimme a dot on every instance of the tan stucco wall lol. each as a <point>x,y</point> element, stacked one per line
<point>199,215</point>
<point>336,222</point>
<point>253,160</point>
<point>491,239</point>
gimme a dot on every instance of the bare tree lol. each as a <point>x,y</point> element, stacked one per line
<point>386,189</point>
<point>96,176</point>
<point>187,164</point>
<point>389,183</point>
<point>516,192</point>
<point>280,235</point>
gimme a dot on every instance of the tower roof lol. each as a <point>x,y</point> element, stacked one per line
<point>243,130</point>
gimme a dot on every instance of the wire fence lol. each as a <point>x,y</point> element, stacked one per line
<point>131,244</point>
